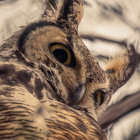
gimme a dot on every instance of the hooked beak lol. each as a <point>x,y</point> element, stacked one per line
<point>77,96</point>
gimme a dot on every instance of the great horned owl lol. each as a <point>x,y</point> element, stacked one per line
<point>51,86</point>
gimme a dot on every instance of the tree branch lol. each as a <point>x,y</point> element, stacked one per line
<point>95,37</point>
<point>120,109</point>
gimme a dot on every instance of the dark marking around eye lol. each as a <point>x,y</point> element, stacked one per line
<point>28,30</point>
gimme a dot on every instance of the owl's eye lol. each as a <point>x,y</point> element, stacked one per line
<point>63,54</point>
<point>98,97</point>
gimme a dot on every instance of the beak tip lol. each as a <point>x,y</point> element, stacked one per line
<point>78,94</point>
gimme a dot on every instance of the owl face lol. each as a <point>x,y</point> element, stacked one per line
<point>65,65</point>
<point>73,75</point>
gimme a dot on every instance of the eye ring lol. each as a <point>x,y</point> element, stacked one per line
<point>63,54</point>
<point>98,97</point>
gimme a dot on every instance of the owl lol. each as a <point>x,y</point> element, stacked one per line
<point>51,87</point>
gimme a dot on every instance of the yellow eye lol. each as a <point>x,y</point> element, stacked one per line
<point>98,97</point>
<point>63,54</point>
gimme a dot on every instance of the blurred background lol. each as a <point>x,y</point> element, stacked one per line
<point>105,25</point>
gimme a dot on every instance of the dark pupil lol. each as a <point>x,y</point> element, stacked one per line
<point>61,55</point>
<point>100,102</point>
<point>95,98</point>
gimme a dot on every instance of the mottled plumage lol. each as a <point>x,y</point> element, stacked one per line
<point>51,86</point>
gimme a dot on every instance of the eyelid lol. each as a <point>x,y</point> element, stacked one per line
<point>58,45</point>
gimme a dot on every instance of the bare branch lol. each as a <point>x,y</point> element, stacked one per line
<point>120,109</point>
<point>92,37</point>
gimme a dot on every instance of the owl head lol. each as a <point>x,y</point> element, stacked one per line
<point>66,67</point>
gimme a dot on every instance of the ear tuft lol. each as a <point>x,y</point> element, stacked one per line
<point>64,11</point>
<point>53,10</point>
<point>74,12</point>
